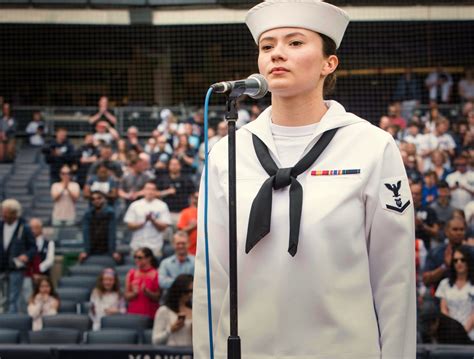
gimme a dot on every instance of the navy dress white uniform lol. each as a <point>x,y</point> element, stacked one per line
<point>349,290</point>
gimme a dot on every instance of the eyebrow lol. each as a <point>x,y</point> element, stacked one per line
<point>291,34</point>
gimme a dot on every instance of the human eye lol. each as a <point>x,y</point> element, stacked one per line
<point>296,43</point>
<point>265,47</point>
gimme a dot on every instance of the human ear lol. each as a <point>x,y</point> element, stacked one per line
<point>330,65</point>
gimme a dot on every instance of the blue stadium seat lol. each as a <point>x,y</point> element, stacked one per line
<point>55,336</point>
<point>118,2</point>
<point>74,294</point>
<point>21,322</point>
<point>106,261</point>
<point>86,270</point>
<point>9,336</point>
<point>112,336</point>
<point>80,322</point>
<point>78,282</point>
<point>68,306</point>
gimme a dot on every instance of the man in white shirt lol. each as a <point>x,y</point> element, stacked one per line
<point>147,218</point>
<point>461,183</point>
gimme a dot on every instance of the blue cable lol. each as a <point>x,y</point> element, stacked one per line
<point>206,241</point>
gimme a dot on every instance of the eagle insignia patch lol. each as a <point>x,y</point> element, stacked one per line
<point>395,194</point>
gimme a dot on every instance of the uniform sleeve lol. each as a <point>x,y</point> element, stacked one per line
<point>218,262</point>
<point>391,249</point>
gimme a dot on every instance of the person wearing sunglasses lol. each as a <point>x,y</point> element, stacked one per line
<point>173,321</point>
<point>457,291</point>
<point>142,290</point>
<point>65,194</point>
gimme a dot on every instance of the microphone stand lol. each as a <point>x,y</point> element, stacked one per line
<point>231,115</point>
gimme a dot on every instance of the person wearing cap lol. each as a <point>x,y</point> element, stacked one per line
<point>325,219</point>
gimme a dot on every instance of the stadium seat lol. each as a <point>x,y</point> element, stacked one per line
<point>106,261</point>
<point>68,306</point>
<point>74,294</point>
<point>21,322</point>
<point>78,282</point>
<point>112,336</point>
<point>127,321</point>
<point>147,335</point>
<point>55,336</point>
<point>81,322</point>
<point>9,336</point>
<point>123,270</point>
<point>86,270</point>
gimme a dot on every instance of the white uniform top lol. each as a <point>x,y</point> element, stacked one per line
<point>349,292</point>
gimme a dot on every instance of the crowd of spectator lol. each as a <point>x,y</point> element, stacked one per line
<point>150,186</point>
<point>437,149</point>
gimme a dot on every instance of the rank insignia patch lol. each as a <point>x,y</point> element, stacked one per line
<point>395,194</point>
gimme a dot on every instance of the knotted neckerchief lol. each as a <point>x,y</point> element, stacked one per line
<point>261,211</point>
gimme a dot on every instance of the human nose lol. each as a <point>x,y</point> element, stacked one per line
<point>278,53</point>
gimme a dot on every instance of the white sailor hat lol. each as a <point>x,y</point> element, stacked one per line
<point>314,15</point>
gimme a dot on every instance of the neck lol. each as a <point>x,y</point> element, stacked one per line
<point>181,257</point>
<point>298,110</point>
<point>462,277</point>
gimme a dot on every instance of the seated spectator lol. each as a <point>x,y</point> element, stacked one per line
<point>442,205</point>
<point>132,141</point>
<point>36,130</point>
<point>151,146</point>
<point>44,301</point>
<point>160,159</point>
<point>105,156</point>
<point>179,263</point>
<point>439,164</point>
<point>185,154</point>
<point>17,249</point>
<point>106,298</point>
<point>175,187</point>
<point>426,222</point>
<point>396,119</point>
<point>142,289</point>
<point>456,291</point>
<point>41,262</point>
<point>105,132</point>
<point>87,155</point>
<point>7,135</point>
<point>99,229</point>
<point>173,321</point>
<point>439,84</point>
<point>461,183</point>
<point>120,155</point>
<point>133,182</point>
<point>103,182</point>
<point>58,153</point>
<point>413,134</point>
<point>103,113</point>
<point>187,222</point>
<point>429,192</point>
<point>466,86</point>
<point>438,262</point>
<point>65,194</point>
<point>437,328</point>
<point>147,218</point>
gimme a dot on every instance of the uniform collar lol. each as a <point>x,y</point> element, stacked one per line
<point>335,117</point>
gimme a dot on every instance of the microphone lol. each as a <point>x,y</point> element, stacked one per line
<point>255,86</point>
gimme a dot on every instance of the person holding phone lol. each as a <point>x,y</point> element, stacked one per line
<point>325,219</point>
<point>173,320</point>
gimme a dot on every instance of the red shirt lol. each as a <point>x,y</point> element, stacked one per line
<point>186,216</point>
<point>141,304</point>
